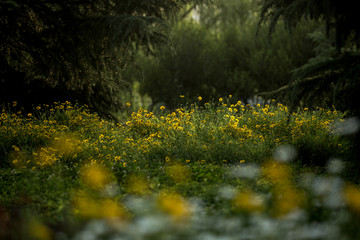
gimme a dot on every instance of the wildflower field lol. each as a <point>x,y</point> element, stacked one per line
<point>219,170</point>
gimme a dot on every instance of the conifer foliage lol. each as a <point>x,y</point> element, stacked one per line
<point>76,48</point>
<point>341,17</point>
<point>332,77</point>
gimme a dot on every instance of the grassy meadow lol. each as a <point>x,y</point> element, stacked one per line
<point>219,170</point>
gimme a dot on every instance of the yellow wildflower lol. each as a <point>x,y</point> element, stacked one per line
<point>15,148</point>
<point>352,197</point>
<point>174,205</point>
<point>95,176</point>
<point>178,173</point>
<point>37,230</point>
<point>249,202</point>
<point>138,185</point>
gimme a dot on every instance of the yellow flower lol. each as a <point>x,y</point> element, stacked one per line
<point>138,185</point>
<point>15,148</point>
<point>287,198</point>
<point>178,172</point>
<point>162,108</point>
<point>174,205</point>
<point>352,197</point>
<point>128,104</point>
<point>167,159</point>
<point>88,207</point>
<point>200,98</point>
<point>29,115</point>
<point>249,202</point>
<point>276,172</point>
<point>95,176</point>
<point>38,230</point>
<point>220,99</point>
<point>182,96</point>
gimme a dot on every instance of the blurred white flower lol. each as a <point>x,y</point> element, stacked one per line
<point>348,126</point>
<point>227,192</point>
<point>335,166</point>
<point>245,171</point>
<point>284,153</point>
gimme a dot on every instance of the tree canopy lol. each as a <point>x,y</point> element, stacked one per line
<point>340,17</point>
<point>332,77</point>
<point>76,48</point>
<point>218,53</point>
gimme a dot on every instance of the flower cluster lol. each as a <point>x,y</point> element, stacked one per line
<point>209,171</point>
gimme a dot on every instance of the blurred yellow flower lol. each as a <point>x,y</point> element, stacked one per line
<point>45,156</point>
<point>276,172</point>
<point>174,205</point>
<point>286,199</point>
<point>162,108</point>
<point>352,197</point>
<point>178,173</point>
<point>66,144</point>
<point>38,230</point>
<point>16,149</point>
<point>138,185</point>
<point>200,98</point>
<point>95,176</point>
<point>87,207</point>
<point>249,202</point>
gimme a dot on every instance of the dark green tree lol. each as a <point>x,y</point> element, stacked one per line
<point>75,49</point>
<point>332,77</point>
<point>341,18</point>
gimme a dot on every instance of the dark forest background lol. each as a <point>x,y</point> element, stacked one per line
<point>103,53</point>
